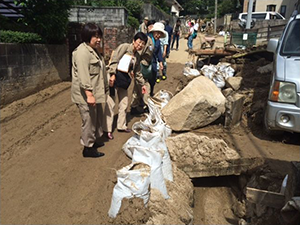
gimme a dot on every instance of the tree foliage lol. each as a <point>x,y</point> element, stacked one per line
<point>8,36</point>
<point>48,18</point>
<point>206,8</point>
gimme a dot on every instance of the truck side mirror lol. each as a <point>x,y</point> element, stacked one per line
<point>272,45</point>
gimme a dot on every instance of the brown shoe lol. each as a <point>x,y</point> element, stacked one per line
<point>127,130</point>
<point>110,136</point>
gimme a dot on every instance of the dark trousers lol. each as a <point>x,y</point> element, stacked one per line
<point>152,82</point>
<point>175,37</point>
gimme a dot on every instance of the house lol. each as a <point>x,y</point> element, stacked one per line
<point>175,7</point>
<point>10,10</point>
<point>284,7</point>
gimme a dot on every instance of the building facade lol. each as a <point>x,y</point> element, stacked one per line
<point>284,7</point>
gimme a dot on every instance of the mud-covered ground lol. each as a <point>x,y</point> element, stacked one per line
<point>45,179</point>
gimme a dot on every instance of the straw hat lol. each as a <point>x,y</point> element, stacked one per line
<point>160,27</point>
<point>146,18</point>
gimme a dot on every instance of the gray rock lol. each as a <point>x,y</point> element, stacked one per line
<point>226,92</point>
<point>197,105</point>
<point>234,109</point>
<point>234,82</point>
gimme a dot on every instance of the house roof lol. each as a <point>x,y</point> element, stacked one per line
<point>174,2</point>
<point>9,9</point>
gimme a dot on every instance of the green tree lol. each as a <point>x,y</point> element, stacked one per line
<point>228,6</point>
<point>206,8</point>
<point>48,18</point>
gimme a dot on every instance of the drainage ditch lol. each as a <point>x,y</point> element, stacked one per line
<point>256,196</point>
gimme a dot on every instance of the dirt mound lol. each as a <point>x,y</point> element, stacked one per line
<point>132,211</point>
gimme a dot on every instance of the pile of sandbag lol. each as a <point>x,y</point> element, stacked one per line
<point>218,73</point>
<point>151,165</point>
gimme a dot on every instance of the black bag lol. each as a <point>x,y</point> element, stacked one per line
<point>123,80</point>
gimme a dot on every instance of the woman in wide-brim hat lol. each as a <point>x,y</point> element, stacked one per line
<point>158,28</point>
<point>156,32</point>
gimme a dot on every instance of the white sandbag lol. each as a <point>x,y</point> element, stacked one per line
<point>154,159</point>
<point>225,69</point>
<point>139,126</point>
<point>128,147</point>
<point>218,73</point>
<point>132,181</point>
<point>155,141</point>
<point>187,71</point>
<point>219,80</point>
<point>155,121</point>
<point>161,98</point>
<point>209,71</point>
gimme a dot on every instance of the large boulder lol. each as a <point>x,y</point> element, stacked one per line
<point>197,105</point>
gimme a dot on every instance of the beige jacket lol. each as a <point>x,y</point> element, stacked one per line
<point>88,73</point>
<point>143,28</point>
<point>147,53</point>
<point>118,54</point>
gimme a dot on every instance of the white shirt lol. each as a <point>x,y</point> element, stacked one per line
<point>196,26</point>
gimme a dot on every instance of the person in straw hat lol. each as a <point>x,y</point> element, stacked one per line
<point>157,32</point>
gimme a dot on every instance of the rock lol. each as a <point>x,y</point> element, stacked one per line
<point>234,82</point>
<point>265,69</point>
<point>234,110</point>
<point>183,82</point>
<point>197,105</point>
<point>200,156</point>
<point>226,92</point>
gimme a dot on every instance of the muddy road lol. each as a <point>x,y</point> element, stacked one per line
<point>45,179</point>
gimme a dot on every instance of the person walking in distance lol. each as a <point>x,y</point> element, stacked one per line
<point>176,34</point>
<point>191,37</point>
<point>162,73</point>
<point>143,25</point>
<point>169,30</point>
<point>89,88</point>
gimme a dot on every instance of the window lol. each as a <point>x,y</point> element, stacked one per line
<point>283,10</point>
<point>291,42</point>
<point>259,16</point>
<point>271,8</point>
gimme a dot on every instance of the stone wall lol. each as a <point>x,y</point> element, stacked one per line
<point>155,14</point>
<point>114,36</point>
<point>108,16</point>
<point>28,68</point>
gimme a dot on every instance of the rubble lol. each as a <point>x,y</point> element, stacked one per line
<point>197,105</point>
<point>233,82</point>
<point>200,156</point>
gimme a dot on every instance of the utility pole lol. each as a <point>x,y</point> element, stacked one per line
<point>249,14</point>
<point>216,11</point>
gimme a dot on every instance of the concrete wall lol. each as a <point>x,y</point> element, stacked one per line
<point>28,68</point>
<point>108,16</point>
<point>155,14</point>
